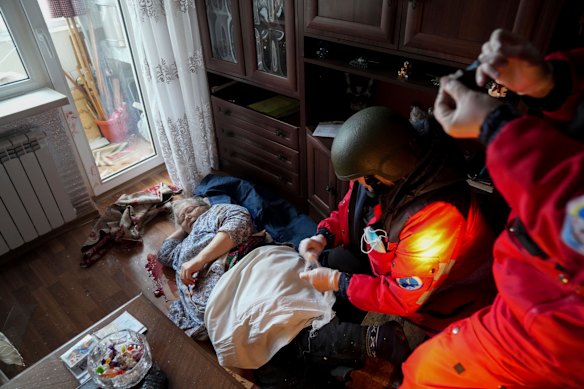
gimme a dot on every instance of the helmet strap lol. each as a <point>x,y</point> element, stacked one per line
<point>377,187</point>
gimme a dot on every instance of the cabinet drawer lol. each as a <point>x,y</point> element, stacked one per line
<point>262,125</point>
<point>253,168</point>
<point>239,140</point>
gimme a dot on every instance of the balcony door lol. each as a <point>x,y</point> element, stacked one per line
<point>108,118</point>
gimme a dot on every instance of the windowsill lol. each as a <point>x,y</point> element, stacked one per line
<point>30,104</point>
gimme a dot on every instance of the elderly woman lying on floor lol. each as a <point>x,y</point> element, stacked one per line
<point>259,306</point>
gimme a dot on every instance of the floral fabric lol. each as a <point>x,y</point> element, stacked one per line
<point>171,57</point>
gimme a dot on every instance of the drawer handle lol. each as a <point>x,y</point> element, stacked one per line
<point>225,112</point>
<point>280,133</point>
<point>282,157</point>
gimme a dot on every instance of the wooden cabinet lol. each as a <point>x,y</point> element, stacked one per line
<point>353,52</point>
<point>250,57</point>
<point>258,148</point>
<point>350,55</point>
<point>448,30</point>
<point>253,40</point>
<point>324,189</point>
<point>221,35</point>
<point>371,22</point>
<point>455,30</point>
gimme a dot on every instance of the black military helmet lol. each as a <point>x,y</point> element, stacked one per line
<point>373,141</point>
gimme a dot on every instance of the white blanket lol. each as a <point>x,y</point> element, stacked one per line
<point>260,305</point>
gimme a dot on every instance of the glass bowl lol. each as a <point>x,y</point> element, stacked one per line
<point>120,360</point>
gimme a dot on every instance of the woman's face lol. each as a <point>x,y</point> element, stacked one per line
<point>188,215</point>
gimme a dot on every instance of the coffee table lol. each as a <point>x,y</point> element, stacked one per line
<point>182,359</point>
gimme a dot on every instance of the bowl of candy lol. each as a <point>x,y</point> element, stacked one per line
<point>120,360</point>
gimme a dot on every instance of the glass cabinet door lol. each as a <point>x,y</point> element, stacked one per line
<point>220,28</point>
<point>268,26</point>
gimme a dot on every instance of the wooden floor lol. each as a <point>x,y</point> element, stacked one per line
<point>46,298</point>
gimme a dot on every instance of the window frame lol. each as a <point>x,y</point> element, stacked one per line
<point>24,40</point>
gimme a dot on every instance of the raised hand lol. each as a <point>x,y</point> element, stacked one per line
<point>514,62</point>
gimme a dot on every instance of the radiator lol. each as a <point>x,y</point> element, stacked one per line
<point>32,198</point>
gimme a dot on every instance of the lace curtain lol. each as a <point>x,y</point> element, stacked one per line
<point>171,59</point>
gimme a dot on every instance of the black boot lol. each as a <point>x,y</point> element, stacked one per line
<point>389,342</point>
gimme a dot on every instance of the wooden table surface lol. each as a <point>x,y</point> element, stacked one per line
<point>184,361</point>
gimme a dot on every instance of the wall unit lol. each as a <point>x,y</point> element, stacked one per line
<point>342,56</point>
<point>449,30</point>
<point>354,50</point>
<point>250,55</point>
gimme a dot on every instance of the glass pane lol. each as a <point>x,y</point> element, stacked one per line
<point>220,20</point>
<point>11,67</point>
<point>93,49</point>
<point>269,28</point>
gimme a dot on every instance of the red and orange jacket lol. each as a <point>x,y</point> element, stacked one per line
<point>438,270</point>
<point>533,334</point>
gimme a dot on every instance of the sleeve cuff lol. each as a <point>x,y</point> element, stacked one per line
<point>330,237</point>
<point>495,120</point>
<point>344,280</point>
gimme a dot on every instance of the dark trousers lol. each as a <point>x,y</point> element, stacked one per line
<point>307,361</point>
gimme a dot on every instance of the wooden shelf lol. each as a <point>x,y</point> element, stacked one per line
<point>383,75</point>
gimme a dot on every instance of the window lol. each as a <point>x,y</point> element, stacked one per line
<point>21,66</point>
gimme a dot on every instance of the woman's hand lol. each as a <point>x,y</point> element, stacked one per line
<point>189,268</point>
<point>219,245</point>
<point>187,225</point>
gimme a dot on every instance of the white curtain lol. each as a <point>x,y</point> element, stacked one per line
<point>170,53</point>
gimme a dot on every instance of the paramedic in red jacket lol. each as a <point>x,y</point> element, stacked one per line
<point>414,242</point>
<point>533,334</point>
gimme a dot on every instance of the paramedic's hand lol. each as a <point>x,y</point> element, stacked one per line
<point>322,279</point>
<point>312,247</point>
<point>461,111</point>
<point>514,62</point>
<point>189,268</point>
<point>311,261</point>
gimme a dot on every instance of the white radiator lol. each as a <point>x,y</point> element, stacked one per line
<point>32,199</point>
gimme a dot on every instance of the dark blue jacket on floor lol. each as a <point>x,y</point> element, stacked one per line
<point>270,212</point>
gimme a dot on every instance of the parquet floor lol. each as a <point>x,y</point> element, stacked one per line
<point>46,298</point>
